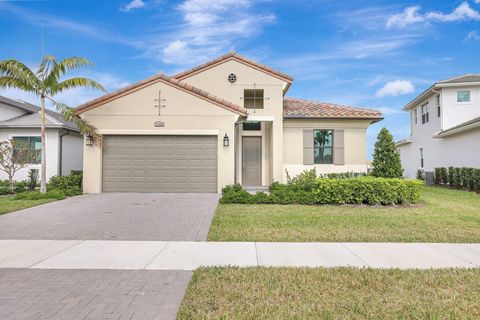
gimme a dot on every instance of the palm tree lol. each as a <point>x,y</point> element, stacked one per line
<point>46,82</point>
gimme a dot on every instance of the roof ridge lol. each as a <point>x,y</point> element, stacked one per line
<point>459,77</point>
<point>231,54</point>
<point>165,78</point>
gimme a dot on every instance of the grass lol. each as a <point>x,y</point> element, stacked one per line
<point>444,215</point>
<point>9,204</point>
<point>340,293</point>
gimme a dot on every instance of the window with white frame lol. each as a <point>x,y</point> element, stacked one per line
<point>323,146</point>
<point>415,115</point>
<point>463,96</point>
<point>425,116</point>
<point>438,105</point>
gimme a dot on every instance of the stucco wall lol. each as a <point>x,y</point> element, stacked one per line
<point>52,150</point>
<point>355,145</point>
<point>184,114</point>
<point>215,80</point>
<point>72,153</point>
<point>455,113</point>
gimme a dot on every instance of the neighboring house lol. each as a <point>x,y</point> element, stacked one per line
<point>445,127</point>
<point>21,121</point>
<point>223,122</point>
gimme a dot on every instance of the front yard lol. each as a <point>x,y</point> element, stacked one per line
<point>9,204</point>
<point>443,215</point>
<point>340,293</point>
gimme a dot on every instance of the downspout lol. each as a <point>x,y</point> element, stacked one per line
<point>60,149</point>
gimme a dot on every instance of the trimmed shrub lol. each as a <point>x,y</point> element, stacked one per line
<point>386,160</point>
<point>70,185</point>
<point>362,190</point>
<point>36,195</point>
<point>466,178</point>
<point>420,175</point>
<point>32,179</point>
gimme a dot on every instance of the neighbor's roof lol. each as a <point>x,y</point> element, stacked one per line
<point>462,127</point>
<point>451,82</point>
<point>463,79</point>
<point>167,80</point>
<point>294,108</point>
<point>25,106</point>
<point>232,55</point>
<point>31,119</point>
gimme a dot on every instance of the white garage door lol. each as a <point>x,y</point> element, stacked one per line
<point>160,164</point>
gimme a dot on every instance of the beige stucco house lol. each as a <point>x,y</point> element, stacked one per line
<point>226,121</point>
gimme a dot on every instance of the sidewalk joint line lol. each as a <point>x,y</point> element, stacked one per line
<point>60,252</point>
<point>161,250</point>
<point>256,253</point>
<point>351,251</point>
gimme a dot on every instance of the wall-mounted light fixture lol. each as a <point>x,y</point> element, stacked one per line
<point>226,140</point>
<point>89,140</point>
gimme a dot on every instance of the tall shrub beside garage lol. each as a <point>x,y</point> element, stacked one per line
<point>386,160</point>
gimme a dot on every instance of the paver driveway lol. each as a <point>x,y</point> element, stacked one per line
<point>103,294</point>
<point>115,216</point>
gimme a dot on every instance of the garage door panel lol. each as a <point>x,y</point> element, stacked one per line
<point>160,164</point>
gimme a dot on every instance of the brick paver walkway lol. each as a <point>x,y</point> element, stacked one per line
<point>91,294</point>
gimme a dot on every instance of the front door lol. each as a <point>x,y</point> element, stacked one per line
<point>252,161</point>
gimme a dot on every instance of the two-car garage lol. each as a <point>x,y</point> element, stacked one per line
<point>159,163</point>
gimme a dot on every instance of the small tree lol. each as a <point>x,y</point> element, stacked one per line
<point>14,155</point>
<point>386,160</point>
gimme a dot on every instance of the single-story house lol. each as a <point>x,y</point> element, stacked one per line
<point>20,120</point>
<point>226,121</point>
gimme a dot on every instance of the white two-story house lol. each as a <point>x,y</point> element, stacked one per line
<point>445,127</point>
<point>226,121</point>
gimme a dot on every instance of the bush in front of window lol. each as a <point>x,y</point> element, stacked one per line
<point>361,190</point>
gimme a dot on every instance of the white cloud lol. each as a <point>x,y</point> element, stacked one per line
<point>412,15</point>
<point>395,88</point>
<point>473,35</point>
<point>209,28</point>
<point>134,4</point>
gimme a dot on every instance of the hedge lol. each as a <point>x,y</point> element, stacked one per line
<point>454,177</point>
<point>361,190</point>
<point>70,185</point>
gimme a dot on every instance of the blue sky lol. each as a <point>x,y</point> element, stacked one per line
<point>375,54</point>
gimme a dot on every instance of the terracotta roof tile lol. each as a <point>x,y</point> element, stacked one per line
<point>294,108</point>
<point>164,78</point>
<point>234,55</point>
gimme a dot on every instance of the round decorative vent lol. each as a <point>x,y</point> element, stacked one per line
<point>232,77</point>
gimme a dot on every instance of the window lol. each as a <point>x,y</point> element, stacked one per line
<point>252,126</point>
<point>34,145</point>
<point>323,146</point>
<point>438,105</point>
<point>463,96</point>
<point>425,113</point>
<point>421,157</point>
<point>415,115</point>
<point>253,98</point>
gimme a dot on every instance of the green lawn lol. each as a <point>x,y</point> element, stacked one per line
<point>444,215</point>
<point>8,204</point>
<point>339,293</point>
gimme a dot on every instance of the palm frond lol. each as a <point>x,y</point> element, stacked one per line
<point>75,83</point>
<point>19,71</point>
<point>85,128</point>
<point>59,69</point>
<point>10,82</point>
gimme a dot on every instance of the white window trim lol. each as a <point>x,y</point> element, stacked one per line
<point>463,102</point>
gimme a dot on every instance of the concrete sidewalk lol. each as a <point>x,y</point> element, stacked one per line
<point>177,255</point>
